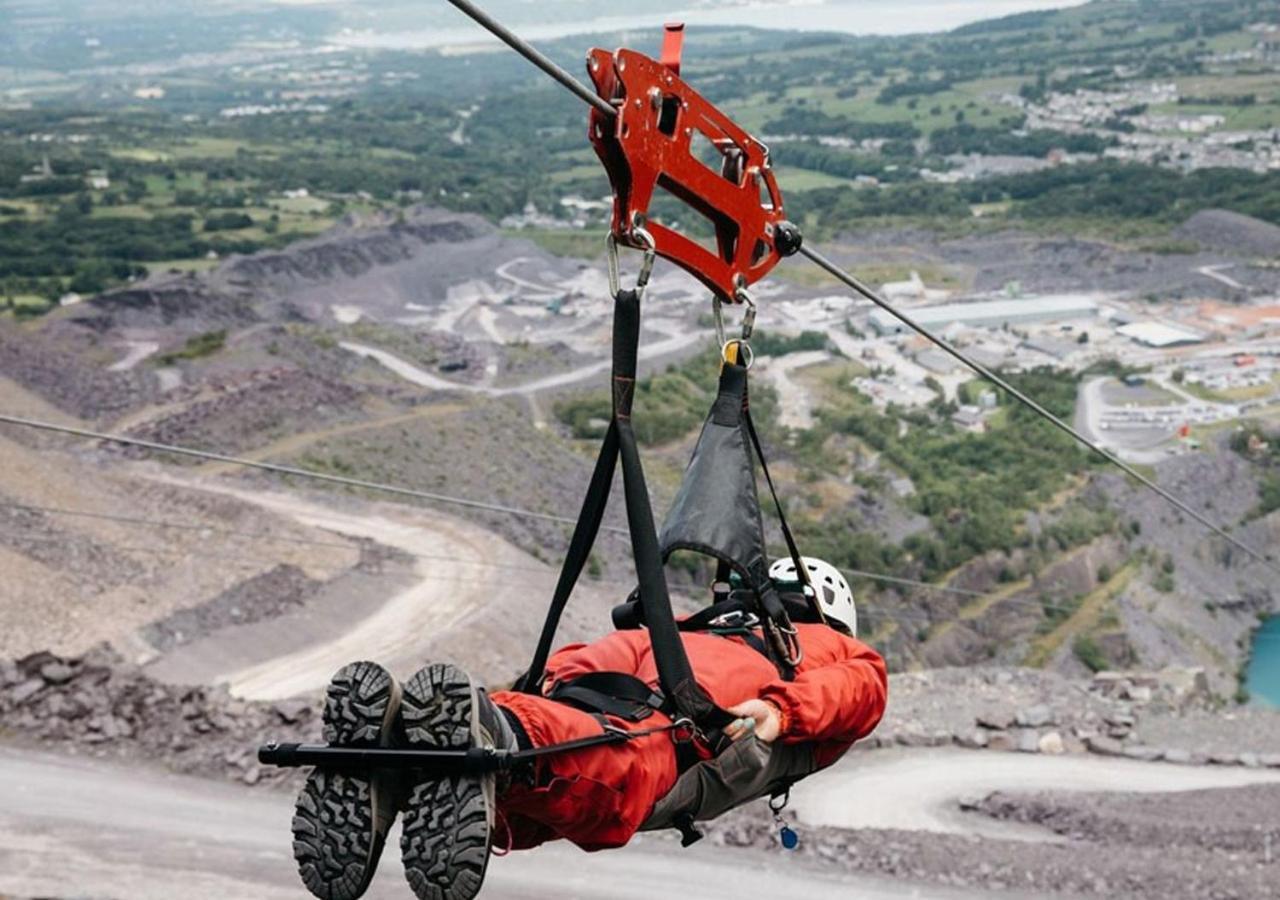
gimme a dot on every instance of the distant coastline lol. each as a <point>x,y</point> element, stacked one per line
<point>867,17</point>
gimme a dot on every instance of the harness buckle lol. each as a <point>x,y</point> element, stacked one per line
<point>736,620</point>
<point>683,731</point>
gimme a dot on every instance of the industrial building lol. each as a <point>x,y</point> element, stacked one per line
<point>992,313</point>
<point>1158,334</point>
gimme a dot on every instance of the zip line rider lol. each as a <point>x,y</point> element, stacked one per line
<point>662,723</point>
<point>635,731</point>
<point>598,797</point>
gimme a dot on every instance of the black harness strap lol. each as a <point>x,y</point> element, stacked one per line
<point>584,537</point>
<point>683,695</point>
<point>611,693</point>
<point>792,549</point>
<point>716,513</point>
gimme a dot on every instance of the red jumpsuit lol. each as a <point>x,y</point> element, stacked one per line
<point>598,798</point>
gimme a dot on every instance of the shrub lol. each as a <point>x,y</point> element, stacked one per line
<point>1086,650</point>
<point>196,347</point>
<point>229,221</point>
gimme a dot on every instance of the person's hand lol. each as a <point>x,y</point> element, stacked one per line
<point>768,721</point>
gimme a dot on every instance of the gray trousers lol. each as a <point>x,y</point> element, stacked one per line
<point>747,770</point>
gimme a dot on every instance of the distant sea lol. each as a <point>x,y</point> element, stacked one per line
<point>885,17</point>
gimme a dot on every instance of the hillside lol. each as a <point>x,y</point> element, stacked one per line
<point>356,243</point>
<point>419,350</point>
<point>1111,119</point>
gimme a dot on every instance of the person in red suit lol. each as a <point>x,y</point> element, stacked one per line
<point>598,797</point>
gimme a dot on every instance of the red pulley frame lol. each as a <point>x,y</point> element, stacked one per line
<point>650,144</point>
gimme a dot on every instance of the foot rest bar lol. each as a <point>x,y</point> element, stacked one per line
<point>446,762</point>
<point>472,761</point>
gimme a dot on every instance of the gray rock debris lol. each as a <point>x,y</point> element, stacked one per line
<point>99,701</point>
<point>1035,716</point>
<point>1104,745</point>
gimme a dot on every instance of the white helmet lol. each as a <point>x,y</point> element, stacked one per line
<point>835,597</point>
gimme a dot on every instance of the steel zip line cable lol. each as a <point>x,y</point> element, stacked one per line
<point>259,535</point>
<point>484,564</point>
<point>535,56</point>
<point>368,485</point>
<point>291,470</point>
<point>849,280</point>
<point>525,49</point>
<point>354,543</point>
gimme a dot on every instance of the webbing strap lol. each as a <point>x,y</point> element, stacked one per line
<point>584,537</point>
<point>674,672</point>
<point>613,693</point>
<point>792,548</point>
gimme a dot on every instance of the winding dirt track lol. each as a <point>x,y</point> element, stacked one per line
<point>458,568</point>
<point>74,828</point>
<point>678,337</point>
<point>919,790</point>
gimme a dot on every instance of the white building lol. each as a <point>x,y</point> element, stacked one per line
<point>1158,334</point>
<point>992,313</point>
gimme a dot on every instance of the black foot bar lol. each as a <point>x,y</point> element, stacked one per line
<point>472,761</point>
<point>469,761</point>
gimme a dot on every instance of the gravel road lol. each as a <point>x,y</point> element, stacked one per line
<point>297,653</point>
<point>73,828</point>
<point>678,338</point>
<point>795,405</point>
<point>920,790</point>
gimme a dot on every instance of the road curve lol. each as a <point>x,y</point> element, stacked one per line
<point>76,828</point>
<point>677,338</point>
<point>918,790</point>
<point>457,569</point>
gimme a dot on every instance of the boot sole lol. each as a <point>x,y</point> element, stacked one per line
<point>336,841</point>
<point>445,838</point>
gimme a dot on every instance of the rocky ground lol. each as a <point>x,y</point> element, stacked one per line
<point>255,599</point>
<point>99,699</point>
<point>1225,843</point>
<point>282,388</point>
<point>1222,843</point>
<point>1168,715</point>
<point>1049,264</point>
<point>1191,846</point>
<point>98,705</point>
<point>1202,617</point>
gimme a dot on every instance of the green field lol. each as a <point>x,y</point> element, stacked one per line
<point>187,180</point>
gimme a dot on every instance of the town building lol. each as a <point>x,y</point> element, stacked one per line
<point>992,313</point>
<point>1158,334</point>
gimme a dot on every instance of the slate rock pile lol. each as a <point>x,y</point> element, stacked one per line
<point>97,704</point>
<point>1169,716</point>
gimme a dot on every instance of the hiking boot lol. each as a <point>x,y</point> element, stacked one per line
<point>341,819</point>
<point>448,821</point>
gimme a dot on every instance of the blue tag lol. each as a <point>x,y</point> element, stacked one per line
<point>790,840</point>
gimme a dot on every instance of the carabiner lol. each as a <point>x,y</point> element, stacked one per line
<point>683,731</point>
<point>749,317</point>
<point>646,264</point>
<point>717,315</point>
<point>748,327</point>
